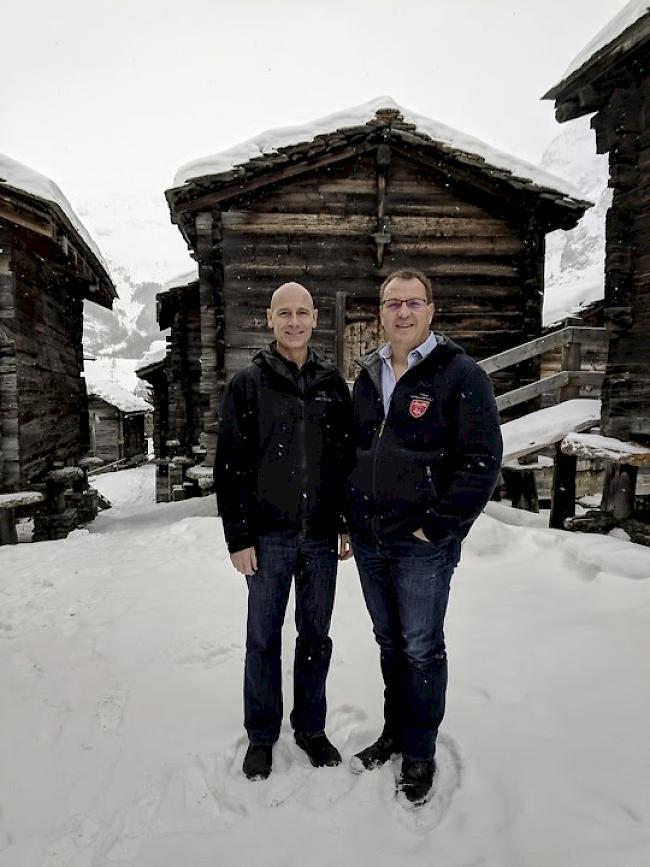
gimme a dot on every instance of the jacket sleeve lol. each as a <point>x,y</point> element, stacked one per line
<point>235,463</point>
<point>476,459</point>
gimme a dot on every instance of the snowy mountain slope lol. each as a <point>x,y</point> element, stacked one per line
<point>122,743</point>
<point>143,250</point>
<point>574,273</point>
<point>130,327</point>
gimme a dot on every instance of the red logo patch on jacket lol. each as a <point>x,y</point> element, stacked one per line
<point>419,406</point>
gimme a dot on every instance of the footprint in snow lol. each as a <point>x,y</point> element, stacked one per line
<point>195,801</point>
<point>71,845</point>
<point>208,655</point>
<point>426,817</point>
<point>130,827</point>
<point>110,710</point>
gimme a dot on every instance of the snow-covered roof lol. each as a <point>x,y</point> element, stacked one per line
<point>626,18</point>
<point>20,177</point>
<point>156,352</point>
<point>117,396</point>
<point>183,279</point>
<point>270,142</point>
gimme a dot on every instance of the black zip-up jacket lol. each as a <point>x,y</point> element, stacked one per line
<point>284,449</point>
<point>433,462</point>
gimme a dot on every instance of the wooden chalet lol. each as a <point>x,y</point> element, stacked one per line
<point>48,266</point>
<point>610,79</point>
<point>117,423</point>
<point>175,381</point>
<point>339,204</point>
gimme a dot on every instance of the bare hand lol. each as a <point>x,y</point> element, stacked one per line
<point>420,535</point>
<point>245,561</point>
<point>345,549</point>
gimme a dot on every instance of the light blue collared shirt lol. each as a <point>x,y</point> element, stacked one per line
<point>388,380</point>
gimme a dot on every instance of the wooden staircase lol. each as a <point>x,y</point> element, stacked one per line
<point>558,426</point>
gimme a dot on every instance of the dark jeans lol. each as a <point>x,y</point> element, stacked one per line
<point>313,562</point>
<point>406,588</point>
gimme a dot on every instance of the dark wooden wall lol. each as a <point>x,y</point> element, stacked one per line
<point>486,264</point>
<point>185,404</point>
<point>41,313</point>
<point>133,435</point>
<point>623,129</point>
<point>106,433</point>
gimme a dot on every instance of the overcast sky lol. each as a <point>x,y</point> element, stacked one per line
<point>110,97</point>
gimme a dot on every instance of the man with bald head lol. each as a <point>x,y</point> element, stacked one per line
<point>283,452</point>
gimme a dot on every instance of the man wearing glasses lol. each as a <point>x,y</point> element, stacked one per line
<point>428,449</point>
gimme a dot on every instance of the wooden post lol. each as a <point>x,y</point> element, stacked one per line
<point>571,361</point>
<point>563,492</point>
<point>8,535</point>
<point>210,362</point>
<point>340,330</point>
<point>619,490</point>
<point>382,236</point>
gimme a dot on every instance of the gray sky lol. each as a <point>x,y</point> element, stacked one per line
<point>110,98</point>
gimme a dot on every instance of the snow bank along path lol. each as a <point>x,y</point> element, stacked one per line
<point>122,742</point>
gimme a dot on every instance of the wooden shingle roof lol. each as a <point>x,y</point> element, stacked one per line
<point>283,154</point>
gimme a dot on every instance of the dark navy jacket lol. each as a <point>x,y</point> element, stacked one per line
<point>284,449</point>
<point>433,462</point>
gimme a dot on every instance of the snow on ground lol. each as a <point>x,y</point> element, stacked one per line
<point>122,742</point>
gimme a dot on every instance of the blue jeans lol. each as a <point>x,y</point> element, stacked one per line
<point>406,588</point>
<point>313,562</point>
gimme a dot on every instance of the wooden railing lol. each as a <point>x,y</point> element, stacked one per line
<point>570,378</point>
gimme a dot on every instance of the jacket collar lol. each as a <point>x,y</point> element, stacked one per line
<point>445,348</point>
<point>270,357</point>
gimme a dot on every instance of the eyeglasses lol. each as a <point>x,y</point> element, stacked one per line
<point>395,304</point>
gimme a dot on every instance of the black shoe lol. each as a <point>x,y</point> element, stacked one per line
<point>320,751</point>
<point>377,754</point>
<point>416,779</point>
<point>258,761</point>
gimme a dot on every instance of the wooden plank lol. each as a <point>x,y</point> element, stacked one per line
<point>339,336</point>
<point>563,491</point>
<point>538,430</point>
<point>536,347</point>
<point>599,448</point>
<point>485,246</point>
<point>535,389</point>
<point>304,224</point>
<point>331,224</point>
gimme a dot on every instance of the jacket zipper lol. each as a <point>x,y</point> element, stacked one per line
<point>302,434</point>
<point>374,474</point>
<point>429,475</point>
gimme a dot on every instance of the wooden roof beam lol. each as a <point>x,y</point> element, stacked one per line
<point>245,185</point>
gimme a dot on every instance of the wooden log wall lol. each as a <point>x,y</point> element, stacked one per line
<point>134,439</point>
<point>46,331</point>
<point>105,430</point>
<point>623,128</point>
<point>325,229</point>
<point>158,396</point>
<point>9,448</point>
<point>186,402</point>
<point>208,238</point>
